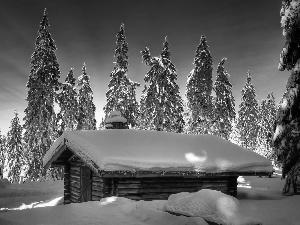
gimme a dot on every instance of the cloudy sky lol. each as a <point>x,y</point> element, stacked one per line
<point>248,33</point>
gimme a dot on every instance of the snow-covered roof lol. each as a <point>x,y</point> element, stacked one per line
<point>116,119</point>
<point>115,113</point>
<point>139,150</point>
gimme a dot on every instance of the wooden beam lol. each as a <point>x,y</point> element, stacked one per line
<point>61,149</point>
<point>184,174</point>
<point>69,159</point>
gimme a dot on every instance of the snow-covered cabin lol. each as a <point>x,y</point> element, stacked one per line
<point>148,165</point>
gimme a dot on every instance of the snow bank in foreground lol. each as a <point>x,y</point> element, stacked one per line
<point>109,211</point>
<point>135,150</point>
<point>211,205</point>
<point>263,201</point>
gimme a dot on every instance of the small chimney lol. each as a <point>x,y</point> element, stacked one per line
<point>116,121</point>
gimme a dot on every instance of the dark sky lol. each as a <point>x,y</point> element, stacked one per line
<point>248,33</point>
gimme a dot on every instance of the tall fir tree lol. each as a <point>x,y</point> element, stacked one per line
<point>40,118</point>
<point>234,136</point>
<point>86,107</point>
<point>121,90</point>
<point>199,89</point>
<point>3,154</point>
<point>133,109</point>
<point>15,152</point>
<point>67,100</point>
<point>267,115</point>
<point>286,137</point>
<point>248,116</point>
<point>224,110</point>
<point>161,103</point>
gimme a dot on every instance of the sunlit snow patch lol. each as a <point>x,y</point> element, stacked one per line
<point>243,183</point>
<point>108,200</point>
<point>53,202</point>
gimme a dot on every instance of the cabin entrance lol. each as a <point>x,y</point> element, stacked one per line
<point>86,184</point>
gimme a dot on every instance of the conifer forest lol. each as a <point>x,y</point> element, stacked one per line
<point>207,105</point>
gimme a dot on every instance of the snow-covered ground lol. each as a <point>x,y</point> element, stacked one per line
<point>259,202</point>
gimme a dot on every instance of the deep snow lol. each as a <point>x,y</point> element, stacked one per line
<point>259,201</point>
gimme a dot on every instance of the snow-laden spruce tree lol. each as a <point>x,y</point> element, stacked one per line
<point>86,108</point>
<point>248,116</point>
<point>15,151</point>
<point>286,137</point>
<point>101,125</point>
<point>224,110</point>
<point>198,91</point>
<point>267,115</point>
<point>121,94</point>
<point>2,153</point>
<point>67,100</point>
<point>40,118</point>
<point>161,104</point>
<point>234,136</point>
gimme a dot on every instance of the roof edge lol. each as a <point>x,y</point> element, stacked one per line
<point>61,148</point>
<point>191,174</point>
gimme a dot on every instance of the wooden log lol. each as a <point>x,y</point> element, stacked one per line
<point>165,185</point>
<point>75,177</point>
<point>75,184</point>
<point>171,180</point>
<point>96,178</point>
<point>210,185</point>
<point>98,183</point>
<point>101,187</point>
<point>97,193</point>
<point>95,188</point>
<point>75,163</point>
<point>178,174</point>
<point>75,169</point>
<point>73,199</point>
<point>74,193</point>
<point>156,190</point>
<point>130,181</point>
<point>74,189</point>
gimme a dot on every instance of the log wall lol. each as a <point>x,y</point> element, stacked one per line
<point>140,188</point>
<point>101,187</point>
<point>161,188</point>
<point>158,188</point>
<point>75,179</point>
<point>67,181</point>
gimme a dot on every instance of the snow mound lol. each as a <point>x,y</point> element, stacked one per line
<point>4,183</point>
<point>211,205</point>
<point>136,150</point>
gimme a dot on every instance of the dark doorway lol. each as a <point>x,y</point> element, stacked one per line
<point>86,184</point>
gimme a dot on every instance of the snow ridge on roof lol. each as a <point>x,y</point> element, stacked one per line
<point>136,150</point>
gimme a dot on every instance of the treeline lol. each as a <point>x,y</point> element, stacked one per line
<point>209,107</point>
